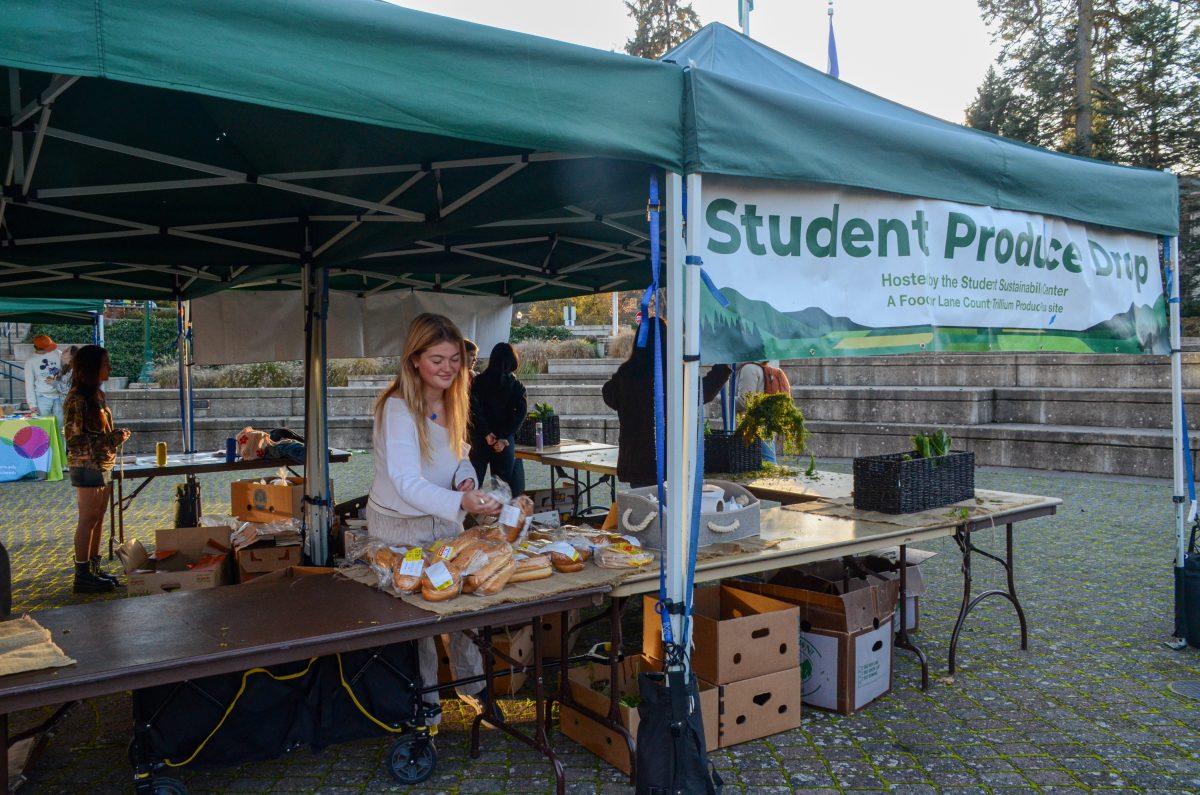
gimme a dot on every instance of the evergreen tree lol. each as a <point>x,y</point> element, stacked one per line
<point>660,25</point>
<point>1113,79</point>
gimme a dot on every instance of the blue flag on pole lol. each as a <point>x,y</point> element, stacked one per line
<point>832,67</point>
<point>744,9</point>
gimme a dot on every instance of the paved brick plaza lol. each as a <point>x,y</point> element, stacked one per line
<point>1086,707</point>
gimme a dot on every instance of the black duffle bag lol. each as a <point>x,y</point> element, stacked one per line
<point>671,756</point>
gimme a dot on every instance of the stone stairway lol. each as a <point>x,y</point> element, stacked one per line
<point>1106,414</point>
<point>1088,413</point>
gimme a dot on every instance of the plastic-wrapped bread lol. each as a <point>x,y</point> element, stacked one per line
<point>407,571</point>
<point>565,557</point>
<point>496,554</point>
<point>440,582</point>
<point>531,567</point>
<point>622,555</point>
<point>496,581</point>
<point>381,559</point>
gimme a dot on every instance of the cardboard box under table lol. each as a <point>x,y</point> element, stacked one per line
<point>589,689</point>
<point>737,635</point>
<point>255,501</point>
<point>265,557</point>
<point>886,564</point>
<point>185,559</point>
<point>515,642</point>
<point>845,638</point>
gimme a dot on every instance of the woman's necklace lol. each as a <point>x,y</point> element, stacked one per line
<point>433,415</point>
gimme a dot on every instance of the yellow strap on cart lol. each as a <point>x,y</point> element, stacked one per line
<point>242,689</point>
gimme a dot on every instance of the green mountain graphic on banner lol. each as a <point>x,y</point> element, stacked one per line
<point>751,330</point>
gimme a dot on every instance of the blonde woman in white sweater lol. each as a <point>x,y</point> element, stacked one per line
<point>424,483</point>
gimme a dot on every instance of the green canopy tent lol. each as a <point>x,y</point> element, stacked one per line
<point>752,112</point>
<point>77,311</point>
<point>170,150</point>
<point>173,149</point>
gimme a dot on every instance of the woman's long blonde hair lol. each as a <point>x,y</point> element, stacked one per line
<point>426,331</point>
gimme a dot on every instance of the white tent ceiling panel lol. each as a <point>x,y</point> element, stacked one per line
<point>240,327</point>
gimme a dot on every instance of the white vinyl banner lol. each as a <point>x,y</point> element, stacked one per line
<point>237,327</point>
<point>813,270</point>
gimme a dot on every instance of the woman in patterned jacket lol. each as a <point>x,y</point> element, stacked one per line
<point>92,448</point>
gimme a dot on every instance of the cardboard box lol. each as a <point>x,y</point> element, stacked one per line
<point>252,501</point>
<point>551,637</point>
<point>559,500</point>
<point>146,575</point>
<point>262,558</point>
<point>603,741</point>
<point>760,707</point>
<point>887,565</point>
<point>845,638</point>
<point>291,573</point>
<point>737,634</point>
<point>516,643</point>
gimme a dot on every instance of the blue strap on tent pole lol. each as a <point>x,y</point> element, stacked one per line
<point>654,216</point>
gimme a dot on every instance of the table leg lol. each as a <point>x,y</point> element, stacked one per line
<point>121,511</point>
<point>540,740</point>
<point>903,641</point>
<point>4,751</point>
<point>112,521</point>
<point>962,537</point>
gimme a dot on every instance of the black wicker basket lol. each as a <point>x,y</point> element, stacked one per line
<point>900,483</point>
<point>527,433</point>
<point>726,452</point>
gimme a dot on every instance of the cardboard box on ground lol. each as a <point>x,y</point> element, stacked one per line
<point>516,642</point>
<point>886,562</point>
<point>185,559</point>
<point>746,644</point>
<point>589,689</point>
<point>736,635</point>
<point>845,633</point>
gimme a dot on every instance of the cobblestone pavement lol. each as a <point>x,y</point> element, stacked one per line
<point>1086,707</point>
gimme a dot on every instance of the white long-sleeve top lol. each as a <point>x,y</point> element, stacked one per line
<point>41,375</point>
<point>407,484</point>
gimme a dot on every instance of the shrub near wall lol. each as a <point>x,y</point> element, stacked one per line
<point>122,337</point>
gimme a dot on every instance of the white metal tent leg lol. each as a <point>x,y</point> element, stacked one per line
<point>1178,466</point>
<point>317,507</point>
<point>689,364</point>
<point>678,481</point>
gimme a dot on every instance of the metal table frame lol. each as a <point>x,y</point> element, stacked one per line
<point>962,534</point>
<point>56,686</point>
<point>119,502</point>
<point>563,464</point>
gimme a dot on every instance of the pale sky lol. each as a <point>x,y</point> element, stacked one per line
<point>927,54</point>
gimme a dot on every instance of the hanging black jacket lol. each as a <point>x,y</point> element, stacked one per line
<point>630,392</point>
<point>498,406</point>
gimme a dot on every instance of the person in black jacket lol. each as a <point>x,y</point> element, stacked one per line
<point>630,392</point>
<point>497,411</point>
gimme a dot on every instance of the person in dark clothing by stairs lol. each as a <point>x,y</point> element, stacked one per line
<point>630,392</point>
<point>498,408</point>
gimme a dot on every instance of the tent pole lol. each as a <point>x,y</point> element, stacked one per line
<point>690,361</point>
<point>183,346</point>
<point>317,508</point>
<point>677,479</point>
<point>1178,465</point>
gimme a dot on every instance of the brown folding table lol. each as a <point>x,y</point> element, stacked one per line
<point>134,643</point>
<point>146,469</point>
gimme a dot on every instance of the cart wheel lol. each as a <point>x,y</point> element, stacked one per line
<point>169,786</point>
<point>412,759</point>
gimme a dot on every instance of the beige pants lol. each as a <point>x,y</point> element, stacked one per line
<point>465,659</point>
